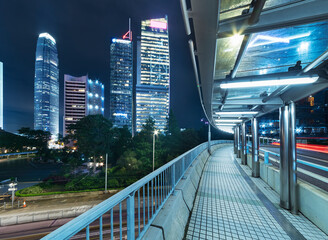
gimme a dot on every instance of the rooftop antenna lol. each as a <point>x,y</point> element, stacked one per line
<point>129,33</point>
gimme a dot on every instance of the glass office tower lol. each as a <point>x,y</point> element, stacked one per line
<point>153,73</point>
<point>1,95</point>
<point>46,86</point>
<point>121,82</point>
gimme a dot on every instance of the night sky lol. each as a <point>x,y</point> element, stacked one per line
<point>83,30</point>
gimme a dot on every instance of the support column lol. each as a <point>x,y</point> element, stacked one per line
<point>255,149</point>
<point>284,140</point>
<point>292,159</point>
<point>235,144</point>
<point>209,138</point>
<point>243,144</point>
<point>238,142</point>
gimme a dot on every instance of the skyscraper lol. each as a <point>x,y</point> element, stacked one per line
<point>121,81</point>
<point>46,86</point>
<point>75,99</point>
<point>1,95</point>
<point>82,97</point>
<point>153,76</point>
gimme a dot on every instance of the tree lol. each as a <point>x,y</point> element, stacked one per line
<point>38,139</point>
<point>93,136</point>
<point>123,143</point>
<point>129,161</point>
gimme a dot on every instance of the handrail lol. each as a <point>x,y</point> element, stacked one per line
<point>160,183</point>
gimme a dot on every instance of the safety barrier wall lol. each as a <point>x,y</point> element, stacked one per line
<point>312,201</point>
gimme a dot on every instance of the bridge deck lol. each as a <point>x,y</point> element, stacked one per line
<point>232,205</point>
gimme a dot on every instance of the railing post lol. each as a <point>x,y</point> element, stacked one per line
<point>266,157</point>
<point>183,165</point>
<point>173,177</point>
<point>130,217</point>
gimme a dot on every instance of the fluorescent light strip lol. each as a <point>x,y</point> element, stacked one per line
<point>228,120</point>
<point>237,113</point>
<point>266,83</point>
<point>225,124</point>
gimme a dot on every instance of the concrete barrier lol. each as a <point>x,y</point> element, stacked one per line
<point>171,221</point>
<point>7,220</point>
<point>313,201</point>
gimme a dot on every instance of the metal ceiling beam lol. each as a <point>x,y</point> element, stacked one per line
<point>299,92</point>
<point>205,18</point>
<point>292,14</point>
<point>318,60</point>
<point>241,54</point>
<point>185,16</point>
<point>252,101</point>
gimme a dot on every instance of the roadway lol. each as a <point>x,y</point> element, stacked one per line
<point>312,174</point>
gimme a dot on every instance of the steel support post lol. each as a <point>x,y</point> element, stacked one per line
<point>238,142</point>
<point>284,166</point>
<point>235,144</point>
<point>292,159</point>
<point>255,149</point>
<point>243,144</point>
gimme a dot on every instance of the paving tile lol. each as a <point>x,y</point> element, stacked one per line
<point>227,208</point>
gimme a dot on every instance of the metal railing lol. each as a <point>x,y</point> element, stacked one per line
<point>134,208</point>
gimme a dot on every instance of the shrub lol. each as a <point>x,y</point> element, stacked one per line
<point>113,183</point>
<point>32,190</point>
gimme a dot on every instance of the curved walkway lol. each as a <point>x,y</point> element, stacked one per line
<point>231,205</point>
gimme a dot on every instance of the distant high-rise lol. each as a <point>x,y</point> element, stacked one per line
<point>82,97</point>
<point>153,73</point>
<point>1,95</point>
<point>46,86</point>
<point>121,81</point>
<point>75,99</point>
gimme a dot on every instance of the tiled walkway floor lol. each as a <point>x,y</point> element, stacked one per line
<point>226,207</point>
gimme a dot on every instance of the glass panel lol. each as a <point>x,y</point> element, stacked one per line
<point>227,51</point>
<point>233,8</point>
<point>232,4</point>
<point>277,50</point>
<point>274,3</point>
<point>242,93</point>
<point>232,13</point>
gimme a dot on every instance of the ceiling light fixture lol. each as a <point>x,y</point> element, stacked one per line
<point>266,83</point>
<point>237,113</point>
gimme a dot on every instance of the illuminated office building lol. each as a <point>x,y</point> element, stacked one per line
<point>153,74</point>
<point>121,82</point>
<point>82,97</point>
<point>46,86</point>
<point>96,97</point>
<point>1,95</point>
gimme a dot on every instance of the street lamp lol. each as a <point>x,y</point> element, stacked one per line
<point>155,133</point>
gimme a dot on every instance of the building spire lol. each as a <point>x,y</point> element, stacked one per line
<point>129,33</point>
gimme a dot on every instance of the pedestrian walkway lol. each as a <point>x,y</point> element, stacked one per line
<point>232,205</point>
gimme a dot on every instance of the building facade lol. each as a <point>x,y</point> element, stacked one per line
<point>82,97</point>
<point>121,82</point>
<point>75,100</point>
<point>153,74</point>
<point>46,86</point>
<point>96,97</point>
<point>1,95</point>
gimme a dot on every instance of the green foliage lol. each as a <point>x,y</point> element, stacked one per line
<point>129,161</point>
<point>113,183</point>
<point>32,190</point>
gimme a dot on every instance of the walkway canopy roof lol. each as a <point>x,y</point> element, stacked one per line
<point>252,57</point>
